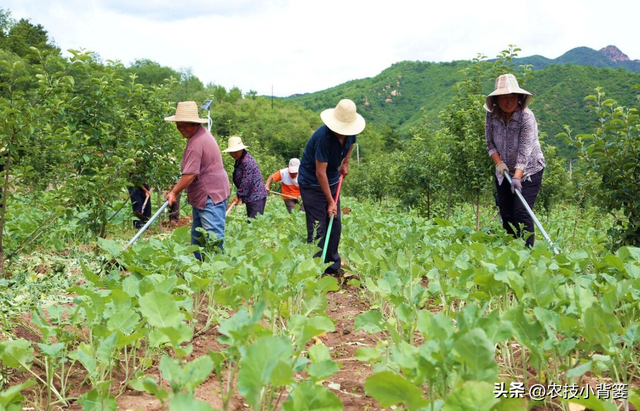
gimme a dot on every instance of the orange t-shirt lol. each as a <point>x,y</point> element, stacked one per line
<point>290,185</point>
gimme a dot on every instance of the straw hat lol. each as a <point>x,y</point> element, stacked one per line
<point>343,119</point>
<point>235,144</point>
<point>187,112</point>
<point>294,165</point>
<point>507,84</point>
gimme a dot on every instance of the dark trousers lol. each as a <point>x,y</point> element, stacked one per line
<point>291,204</point>
<point>137,200</point>
<point>256,207</point>
<point>315,207</point>
<point>513,213</point>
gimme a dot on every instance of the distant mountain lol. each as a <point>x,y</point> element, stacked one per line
<point>607,57</point>
<point>413,93</point>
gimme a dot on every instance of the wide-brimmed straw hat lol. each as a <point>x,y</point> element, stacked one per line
<point>187,112</point>
<point>343,119</point>
<point>235,144</point>
<point>508,84</point>
<point>294,165</point>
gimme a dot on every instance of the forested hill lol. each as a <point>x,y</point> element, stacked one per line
<point>410,93</point>
<point>607,57</point>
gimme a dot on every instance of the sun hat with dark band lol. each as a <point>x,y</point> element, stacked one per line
<point>187,112</point>
<point>235,144</point>
<point>343,119</point>
<point>507,84</point>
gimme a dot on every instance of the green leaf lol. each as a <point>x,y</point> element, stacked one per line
<point>124,321</point>
<point>258,365</point>
<point>634,397</point>
<point>390,389</point>
<point>196,372</point>
<point>323,366</point>
<point>160,310</point>
<point>187,402</point>
<point>91,401</point>
<point>371,322</point>
<point>16,353</point>
<point>51,350</point>
<point>472,396</point>
<point>112,247</point>
<point>367,354</point>
<point>477,352</point>
<point>11,399</point>
<point>104,353</point>
<point>310,397</point>
<point>592,403</point>
<point>579,371</point>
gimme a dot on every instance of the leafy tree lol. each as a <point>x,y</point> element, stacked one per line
<point>22,110</point>
<point>150,73</point>
<point>23,36</point>
<point>469,167</point>
<point>555,183</point>
<point>188,87</point>
<point>419,172</point>
<point>371,179</point>
<point>611,153</point>
<point>5,23</point>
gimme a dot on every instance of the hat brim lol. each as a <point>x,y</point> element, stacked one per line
<point>234,148</point>
<point>337,126</point>
<point>186,120</point>
<point>488,103</point>
<point>293,170</point>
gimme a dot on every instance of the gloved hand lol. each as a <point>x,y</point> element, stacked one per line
<point>516,183</point>
<point>501,167</point>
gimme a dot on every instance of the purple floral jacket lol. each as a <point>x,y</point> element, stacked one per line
<point>248,179</point>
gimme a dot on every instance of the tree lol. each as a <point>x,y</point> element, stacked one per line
<point>612,153</point>
<point>150,73</point>
<point>469,169</point>
<point>22,110</point>
<point>23,36</point>
<point>188,86</point>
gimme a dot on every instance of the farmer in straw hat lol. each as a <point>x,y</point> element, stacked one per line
<point>288,177</point>
<point>511,134</point>
<point>247,178</point>
<point>203,176</point>
<point>324,159</point>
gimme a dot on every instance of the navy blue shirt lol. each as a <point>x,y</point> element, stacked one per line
<point>325,147</point>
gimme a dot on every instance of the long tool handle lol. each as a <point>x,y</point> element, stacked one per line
<point>283,195</point>
<point>533,216</point>
<point>144,227</point>
<point>328,233</point>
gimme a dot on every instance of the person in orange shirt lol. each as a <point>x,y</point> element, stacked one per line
<point>289,179</point>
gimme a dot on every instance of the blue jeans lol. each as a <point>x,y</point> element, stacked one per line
<point>212,219</point>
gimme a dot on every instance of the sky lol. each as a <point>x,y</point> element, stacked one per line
<point>285,47</point>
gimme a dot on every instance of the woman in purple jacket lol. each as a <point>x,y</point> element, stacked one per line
<point>247,179</point>
<point>511,134</point>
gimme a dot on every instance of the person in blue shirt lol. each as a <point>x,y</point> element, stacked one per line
<point>326,157</point>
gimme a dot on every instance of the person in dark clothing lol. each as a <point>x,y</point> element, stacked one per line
<point>141,204</point>
<point>325,158</point>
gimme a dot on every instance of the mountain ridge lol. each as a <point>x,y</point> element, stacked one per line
<point>411,94</point>
<point>607,57</point>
